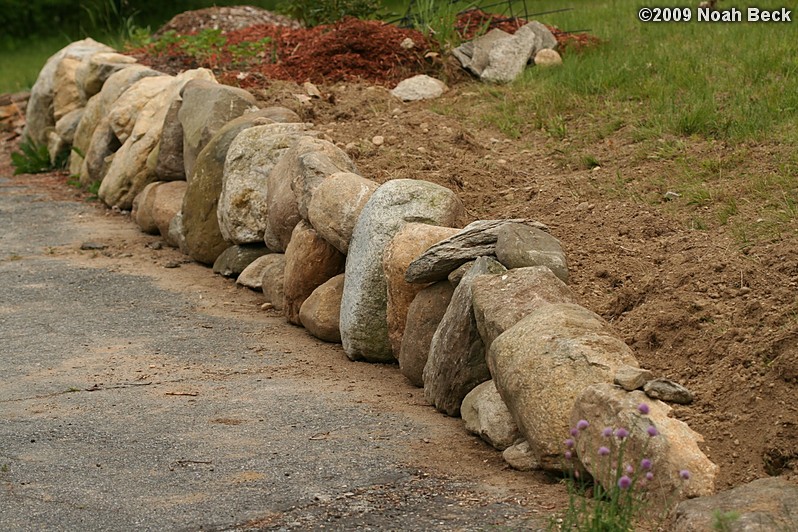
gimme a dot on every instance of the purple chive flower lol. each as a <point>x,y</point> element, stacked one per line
<point>630,469</point>
<point>645,463</point>
<point>685,474</point>
<point>624,482</point>
<point>621,433</point>
<point>603,451</point>
<point>574,432</point>
<point>568,455</point>
<point>642,408</point>
<point>649,476</point>
<point>582,424</point>
<point>569,443</point>
<point>652,431</point>
<point>607,432</point>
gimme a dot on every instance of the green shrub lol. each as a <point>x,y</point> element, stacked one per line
<point>34,159</point>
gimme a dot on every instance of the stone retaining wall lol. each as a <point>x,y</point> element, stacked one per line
<point>478,312</point>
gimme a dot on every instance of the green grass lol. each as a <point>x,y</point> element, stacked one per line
<point>20,62</point>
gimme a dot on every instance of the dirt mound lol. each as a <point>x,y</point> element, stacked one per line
<point>224,19</point>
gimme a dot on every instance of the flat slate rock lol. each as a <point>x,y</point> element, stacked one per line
<point>668,391</point>
<point>477,239</point>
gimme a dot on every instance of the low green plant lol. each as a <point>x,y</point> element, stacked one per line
<point>619,495</point>
<point>316,12</point>
<point>32,158</point>
<point>206,46</point>
<point>438,20</point>
<point>723,521</point>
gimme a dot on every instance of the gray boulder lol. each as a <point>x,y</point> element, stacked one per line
<point>501,301</point>
<point>423,316</point>
<point>174,237</point>
<point>364,325</point>
<point>668,391</point>
<point>544,362</point>
<point>235,259</point>
<point>507,58</point>
<point>336,205</point>
<point>39,115</point>
<point>456,362</point>
<point>207,106</point>
<point>673,448</point>
<point>762,505</point>
<point>321,311</point>
<point>242,209</point>
<point>519,246</point>
<point>203,237</point>
<point>477,239</point>
<point>475,55</point>
<point>486,415</point>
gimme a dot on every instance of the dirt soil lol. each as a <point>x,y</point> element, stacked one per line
<point>692,304</point>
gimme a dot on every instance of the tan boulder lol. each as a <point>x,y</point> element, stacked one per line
<point>167,203</point>
<point>272,280</point>
<point>405,247</point>
<point>336,204</point>
<point>142,209</point>
<point>310,261</point>
<point>321,312</point>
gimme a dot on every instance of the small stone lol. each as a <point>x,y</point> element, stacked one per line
<point>547,58</point>
<point>172,264</point>
<point>631,378</point>
<point>408,44</point>
<point>92,246</point>
<point>668,391</point>
<point>671,195</point>
<point>378,140</point>
<point>421,87</point>
<point>520,457</point>
<point>155,245</point>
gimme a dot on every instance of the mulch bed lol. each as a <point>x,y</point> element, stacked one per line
<point>351,49</point>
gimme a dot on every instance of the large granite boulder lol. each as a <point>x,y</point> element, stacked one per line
<point>207,106</point>
<point>242,209</point>
<point>95,69</point>
<point>456,363</point>
<point>364,323</point>
<point>94,139</point>
<point>762,505</point>
<point>252,276</point>
<point>336,205</point>
<point>543,363</point>
<point>40,116</point>
<point>294,178</point>
<point>133,166</point>
<point>408,243</point>
<point>310,261</point>
<point>321,312</point>
<point>169,164</point>
<point>142,209</point>
<point>423,316</point>
<point>316,159</point>
<point>671,450</point>
<point>203,237</point>
<point>501,301</point>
